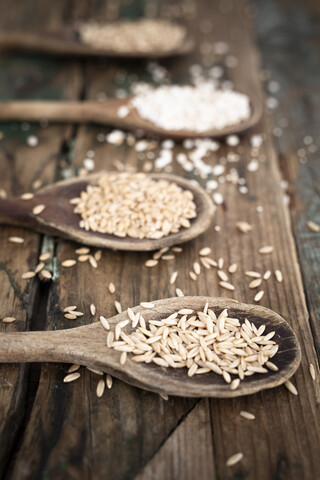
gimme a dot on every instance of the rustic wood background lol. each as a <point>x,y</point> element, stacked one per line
<point>50,430</point>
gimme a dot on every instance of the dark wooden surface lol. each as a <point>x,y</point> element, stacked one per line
<point>50,430</point>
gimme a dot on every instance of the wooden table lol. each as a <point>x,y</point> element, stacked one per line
<point>51,430</point>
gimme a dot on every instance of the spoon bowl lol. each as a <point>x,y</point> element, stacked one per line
<point>86,345</point>
<point>59,219</point>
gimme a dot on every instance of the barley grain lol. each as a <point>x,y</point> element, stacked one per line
<point>173,278</point>
<point>247,415</point>
<point>235,384</point>
<point>39,267</point>
<point>292,389</point>
<point>168,257</point>
<point>266,249</point>
<point>237,457</point>
<point>252,274</point>
<point>193,276</point>
<point>18,240</point>
<point>73,368</point>
<point>45,256</point>
<point>196,268</point>
<point>100,388</point>
<point>151,263</point>
<point>226,285</point>
<point>93,262</point>
<point>147,305</point>
<point>68,263</point>
<point>313,226</point>
<point>112,288</point>
<point>95,370</point>
<point>123,358</point>
<point>259,296</point>
<point>45,275</point>
<point>255,283</point>
<point>278,275</point>
<point>222,275</point>
<point>70,308</point>
<point>92,309</point>
<point>233,268</point>
<point>118,306</point>
<point>312,371</point>
<point>244,227</point>
<point>82,251</point>
<point>109,381</point>
<point>104,322</point>
<point>267,275</point>
<point>204,252</point>
<point>9,319</point>
<point>28,275</point>
<point>38,209</point>
<point>26,196</point>
<point>179,292</point>
<point>72,377</point>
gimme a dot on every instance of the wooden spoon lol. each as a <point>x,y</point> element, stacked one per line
<point>59,219</point>
<point>68,42</point>
<point>106,113</point>
<point>87,346</point>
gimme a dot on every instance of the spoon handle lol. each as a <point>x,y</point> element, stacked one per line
<point>48,346</point>
<point>16,212</point>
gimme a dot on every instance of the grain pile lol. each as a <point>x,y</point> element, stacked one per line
<point>193,108</point>
<point>142,36</point>
<point>200,341</point>
<point>134,205</point>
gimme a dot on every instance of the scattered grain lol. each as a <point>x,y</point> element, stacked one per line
<point>109,381</point>
<point>28,275</point>
<point>266,249</point>
<point>222,275</point>
<point>312,371</point>
<point>179,292</point>
<point>252,274</point>
<point>247,415</point>
<point>72,377</point>
<point>267,275</point>
<point>226,285</point>
<point>259,296</point>
<point>9,319</point>
<point>68,263</point>
<point>233,268</point>
<point>278,275</point>
<point>193,276</point>
<point>151,263</point>
<point>196,268</point>
<point>92,309</point>
<point>18,240</point>
<point>70,316</point>
<point>82,251</point>
<point>147,304</point>
<point>173,278</point>
<point>38,209</point>
<point>243,227</point>
<point>45,256</point>
<point>118,306</point>
<point>100,388</point>
<point>204,252</point>
<point>255,283</point>
<point>45,275</point>
<point>104,322</point>
<point>27,196</point>
<point>73,368</point>
<point>237,457</point>
<point>292,389</point>
<point>313,226</point>
<point>70,308</point>
<point>112,288</point>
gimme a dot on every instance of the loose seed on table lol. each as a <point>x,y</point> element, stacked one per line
<point>147,304</point>
<point>95,370</point>
<point>193,276</point>
<point>173,278</point>
<point>312,371</point>
<point>118,306</point>
<point>233,268</point>
<point>28,275</point>
<point>68,263</point>
<point>18,240</point>
<point>278,275</point>
<point>92,309</point>
<point>38,209</point>
<point>26,196</point>
<point>82,251</point>
<point>112,288</point>
<point>104,322</point>
<point>255,283</point>
<point>109,381</point>
<point>93,262</point>
<point>222,275</point>
<point>70,308</point>
<point>9,319</point>
<point>204,252</point>
<point>267,275</point>
<point>72,377</point>
<point>267,249</point>
<point>244,227</point>
<point>151,263</point>
<point>313,226</point>
<point>74,368</point>
<point>226,285</point>
<point>237,457</point>
<point>292,389</point>
<point>69,316</point>
<point>179,292</point>
<point>247,415</point>
<point>44,256</point>
<point>196,268</point>
<point>100,388</point>
<point>259,296</point>
<point>39,267</point>
<point>253,274</point>
<point>45,275</point>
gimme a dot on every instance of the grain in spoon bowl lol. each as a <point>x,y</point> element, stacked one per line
<point>135,205</point>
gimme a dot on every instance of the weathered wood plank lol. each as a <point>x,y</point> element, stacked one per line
<point>20,167</point>
<point>181,456</point>
<point>297,72</point>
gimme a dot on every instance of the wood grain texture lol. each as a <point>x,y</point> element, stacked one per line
<point>87,346</point>
<point>180,456</point>
<point>58,217</point>
<point>125,430</point>
<point>300,106</point>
